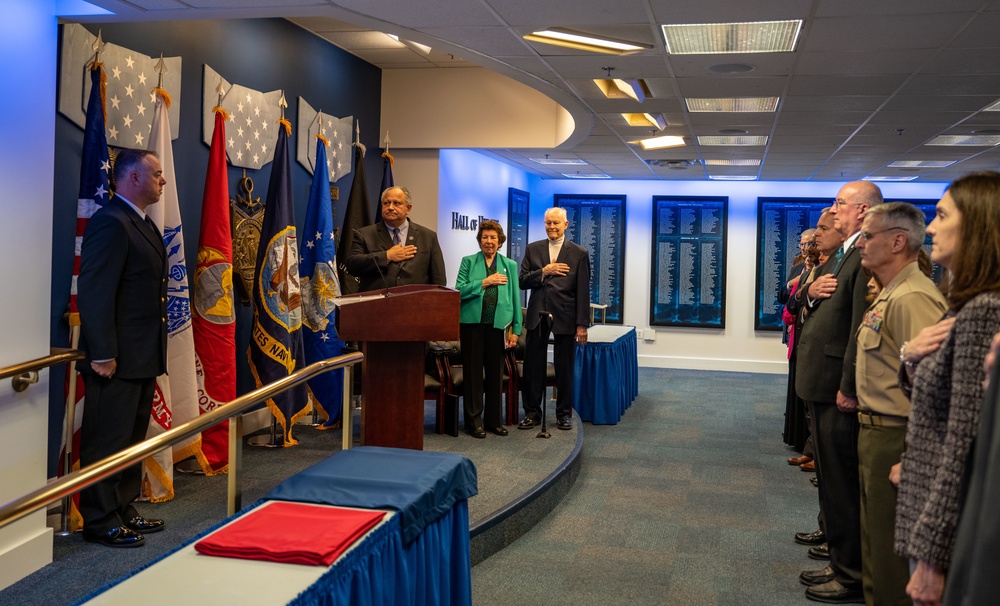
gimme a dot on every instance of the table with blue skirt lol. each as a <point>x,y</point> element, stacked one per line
<point>418,556</point>
<point>606,374</point>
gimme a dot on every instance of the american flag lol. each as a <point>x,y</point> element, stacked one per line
<point>336,130</point>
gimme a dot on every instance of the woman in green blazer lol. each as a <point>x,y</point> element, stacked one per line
<point>490,320</point>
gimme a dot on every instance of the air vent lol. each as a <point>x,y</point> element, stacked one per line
<point>673,164</point>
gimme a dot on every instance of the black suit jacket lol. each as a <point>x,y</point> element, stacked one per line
<point>826,347</point>
<point>122,293</point>
<point>567,297</point>
<point>368,256</point>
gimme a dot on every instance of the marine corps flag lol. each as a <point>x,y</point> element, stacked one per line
<point>357,215</point>
<point>319,287</point>
<point>276,341</point>
<point>214,309</point>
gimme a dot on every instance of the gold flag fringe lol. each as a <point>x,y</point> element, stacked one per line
<point>326,142</point>
<point>391,159</point>
<point>287,125</point>
<point>163,95</point>
<point>104,87</point>
<point>218,110</point>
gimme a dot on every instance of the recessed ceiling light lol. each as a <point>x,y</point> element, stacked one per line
<point>734,162</point>
<point>733,104</point>
<point>660,142</point>
<point>921,163</point>
<point>744,140</point>
<point>732,177</point>
<point>656,121</point>
<point>586,176</point>
<point>731,68</point>
<point>619,88</point>
<point>987,131</point>
<point>887,178</point>
<point>733,131</point>
<point>568,38</point>
<point>720,38</point>
<point>966,140</point>
<point>557,161</point>
<point>995,107</point>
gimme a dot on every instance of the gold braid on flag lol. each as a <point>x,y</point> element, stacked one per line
<point>218,110</point>
<point>163,95</point>
<point>326,142</point>
<point>388,155</point>
<point>97,65</point>
<point>287,125</point>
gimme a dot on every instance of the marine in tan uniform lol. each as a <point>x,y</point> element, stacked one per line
<point>890,240</point>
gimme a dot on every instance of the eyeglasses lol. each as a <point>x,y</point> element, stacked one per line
<point>867,235</point>
<point>839,202</point>
<point>808,245</point>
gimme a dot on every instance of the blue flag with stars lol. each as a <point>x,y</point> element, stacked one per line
<point>319,286</point>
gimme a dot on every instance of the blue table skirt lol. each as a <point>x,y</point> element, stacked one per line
<point>606,375</point>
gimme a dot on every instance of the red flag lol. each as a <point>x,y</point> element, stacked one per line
<point>214,313</point>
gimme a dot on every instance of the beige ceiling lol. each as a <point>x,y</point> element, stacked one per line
<point>869,83</point>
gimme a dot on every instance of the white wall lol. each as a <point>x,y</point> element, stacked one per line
<point>28,40</point>
<point>471,183</point>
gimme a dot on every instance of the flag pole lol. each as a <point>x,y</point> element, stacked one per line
<point>67,462</point>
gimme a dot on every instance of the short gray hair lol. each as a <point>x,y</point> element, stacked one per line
<point>906,217</point>
<point>403,190</point>
<point>558,211</point>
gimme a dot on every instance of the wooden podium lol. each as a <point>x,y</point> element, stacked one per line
<point>394,325</point>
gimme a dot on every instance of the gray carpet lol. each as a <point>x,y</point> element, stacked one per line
<point>687,501</point>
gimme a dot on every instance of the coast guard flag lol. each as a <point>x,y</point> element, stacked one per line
<point>176,397</point>
<point>319,286</point>
<point>276,341</point>
<point>95,191</point>
<point>356,216</point>
<point>214,310</point>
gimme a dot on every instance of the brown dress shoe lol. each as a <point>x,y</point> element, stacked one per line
<point>810,466</point>
<point>799,460</point>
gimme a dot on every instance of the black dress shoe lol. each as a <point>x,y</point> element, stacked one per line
<point>810,538</point>
<point>832,592</point>
<point>145,525</point>
<point>118,536</point>
<point>564,423</point>
<point>528,423</point>
<point>817,577</point>
<point>477,432</point>
<point>499,430</point>
<point>820,552</point>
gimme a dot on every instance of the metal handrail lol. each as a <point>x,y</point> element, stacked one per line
<point>75,481</point>
<point>57,355</point>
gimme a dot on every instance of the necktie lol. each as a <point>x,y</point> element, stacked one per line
<point>836,259</point>
<point>395,235</point>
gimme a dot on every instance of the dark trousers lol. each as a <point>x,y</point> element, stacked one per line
<point>836,444</point>
<point>482,374</point>
<point>115,416</point>
<point>535,354</point>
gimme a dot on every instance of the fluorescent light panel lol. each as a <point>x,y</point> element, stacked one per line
<point>887,178</point>
<point>921,163</point>
<point>737,140</point>
<point>744,162</point>
<point>586,176</point>
<point>732,177</point>
<point>966,140</point>
<point>735,104</point>
<point>568,38</point>
<point>660,142</point>
<point>558,161</point>
<point>993,108</point>
<point>656,121</point>
<point>723,38</point>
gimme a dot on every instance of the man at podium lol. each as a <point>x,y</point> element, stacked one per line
<point>397,251</point>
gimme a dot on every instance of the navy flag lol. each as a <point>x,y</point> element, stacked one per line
<point>357,215</point>
<point>387,181</point>
<point>276,343</point>
<point>320,286</point>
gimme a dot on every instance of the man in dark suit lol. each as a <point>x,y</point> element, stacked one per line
<point>825,379</point>
<point>557,272</point>
<point>396,251</point>
<point>121,294</point>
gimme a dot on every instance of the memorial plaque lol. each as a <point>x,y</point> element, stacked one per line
<point>597,223</point>
<point>780,223</point>
<point>687,285</point>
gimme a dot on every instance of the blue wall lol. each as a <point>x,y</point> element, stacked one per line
<point>262,54</point>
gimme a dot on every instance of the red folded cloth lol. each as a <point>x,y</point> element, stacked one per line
<point>293,533</point>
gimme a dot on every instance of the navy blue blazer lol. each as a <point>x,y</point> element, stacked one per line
<point>567,297</point>
<point>368,256</point>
